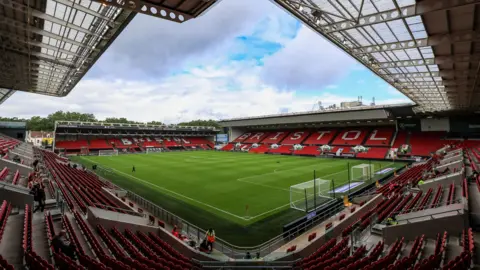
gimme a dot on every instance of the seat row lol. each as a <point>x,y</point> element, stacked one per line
<point>84,187</point>
<point>97,249</point>
<point>32,260</point>
<point>5,210</point>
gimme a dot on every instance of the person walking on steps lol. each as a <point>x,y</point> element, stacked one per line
<point>39,197</point>
<point>210,239</point>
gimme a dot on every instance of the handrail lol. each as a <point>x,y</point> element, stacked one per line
<point>417,209</point>
<point>130,212</point>
<point>432,216</point>
<point>223,245</point>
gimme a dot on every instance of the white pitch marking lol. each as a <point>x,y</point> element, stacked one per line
<point>178,194</point>
<point>283,206</point>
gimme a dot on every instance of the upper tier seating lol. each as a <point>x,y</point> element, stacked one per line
<point>170,142</point>
<point>350,136</point>
<point>401,139</point>
<point>149,142</point>
<point>99,144</point>
<point>117,143</point>
<point>275,137</point>
<point>71,145</point>
<point>256,137</point>
<point>296,137</point>
<point>373,152</point>
<point>424,143</point>
<point>127,141</point>
<point>320,137</point>
<point>243,137</point>
<point>380,137</point>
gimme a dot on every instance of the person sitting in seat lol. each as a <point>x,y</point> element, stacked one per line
<point>177,234</point>
<point>175,231</point>
<point>61,244</point>
<point>391,221</point>
<point>474,176</point>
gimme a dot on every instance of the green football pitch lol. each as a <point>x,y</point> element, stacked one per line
<point>245,197</point>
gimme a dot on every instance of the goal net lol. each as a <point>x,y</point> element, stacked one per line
<point>108,152</point>
<point>307,195</point>
<point>362,172</point>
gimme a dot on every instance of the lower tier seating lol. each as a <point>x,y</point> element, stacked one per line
<point>282,149</point>
<point>373,152</point>
<point>308,151</point>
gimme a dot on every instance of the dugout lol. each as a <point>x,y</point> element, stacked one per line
<point>16,130</point>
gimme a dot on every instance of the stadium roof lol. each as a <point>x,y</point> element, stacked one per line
<point>47,46</point>
<point>429,50</point>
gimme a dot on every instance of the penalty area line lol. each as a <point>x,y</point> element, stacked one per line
<point>177,194</point>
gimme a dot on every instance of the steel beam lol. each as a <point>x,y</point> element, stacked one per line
<point>76,6</point>
<point>434,40</point>
<point>42,15</point>
<point>23,39</point>
<point>151,9</point>
<point>439,60</point>
<point>419,8</point>
<point>35,30</point>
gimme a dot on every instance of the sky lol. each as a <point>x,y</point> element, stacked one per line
<point>241,58</point>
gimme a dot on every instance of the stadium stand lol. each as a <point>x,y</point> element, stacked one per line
<point>380,137</point>
<point>295,137</point>
<point>423,216</point>
<point>350,137</point>
<point>424,143</point>
<point>275,137</point>
<point>374,153</point>
<point>320,137</point>
<point>427,187</point>
<point>256,137</point>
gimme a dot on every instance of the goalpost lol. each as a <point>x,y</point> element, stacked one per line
<point>362,172</point>
<point>108,152</point>
<point>305,196</point>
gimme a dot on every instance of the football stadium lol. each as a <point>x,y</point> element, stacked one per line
<point>350,187</point>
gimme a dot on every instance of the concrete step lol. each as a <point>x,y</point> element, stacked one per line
<point>377,229</point>
<point>11,244</point>
<point>39,236</point>
<point>453,249</point>
<point>80,236</point>
<point>428,249</point>
<point>94,231</point>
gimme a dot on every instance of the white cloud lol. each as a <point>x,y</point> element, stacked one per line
<point>153,48</point>
<point>133,79</point>
<point>307,62</point>
<point>200,94</point>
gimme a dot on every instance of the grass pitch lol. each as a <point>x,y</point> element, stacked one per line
<point>245,197</point>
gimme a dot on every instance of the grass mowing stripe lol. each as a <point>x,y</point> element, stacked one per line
<point>211,178</point>
<point>176,194</point>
